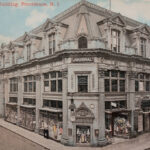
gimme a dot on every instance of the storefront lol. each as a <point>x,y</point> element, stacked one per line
<point>83,134</point>
<point>51,119</point>
<point>11,112</point>
<point>27,117</point>
<point>82,120</point>
<point>118,123</point>
<point>145,105</point>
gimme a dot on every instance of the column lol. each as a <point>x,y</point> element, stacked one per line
<point>101,109</point>
<point>131,98</point>
<point>20,98</point>
<point>6,88</point>
<point>64,139</point>
<point>2,98</point>
<point>38,100</point>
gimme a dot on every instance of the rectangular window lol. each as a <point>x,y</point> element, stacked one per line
<point>29,101</point>
<point>13,99</point>
<point>115,81</point>
<point>53,81</point>
<point>82,83</point>
<point>29,83</point>
<point>13,58</point>
<point>143,47</point>
<point>28,52</point>
<point>13,85</point>
<point>51,44</point>
<point>52,103</point>
<point>115,40</point>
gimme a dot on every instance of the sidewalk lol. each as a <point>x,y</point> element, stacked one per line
<point>140,143</point>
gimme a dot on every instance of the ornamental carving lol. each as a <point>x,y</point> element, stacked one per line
<point>84,114</point>
<point>65,73</point>
<point>132,75</point>
<point>20,79</point>
<point>38,77</point>
<point>101,73</point>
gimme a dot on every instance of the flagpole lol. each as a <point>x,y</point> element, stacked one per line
<point>109,4</point>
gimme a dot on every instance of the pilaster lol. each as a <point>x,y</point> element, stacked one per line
<point>64,139</point>
<point>131,97</point>
<point>38,100</point>
<point>101,109</point>
<point>20,97</point>
<point>2,98</point>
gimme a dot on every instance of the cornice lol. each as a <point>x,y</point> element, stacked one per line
<point>72,53</point>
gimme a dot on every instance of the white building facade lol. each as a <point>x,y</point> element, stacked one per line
<point>84,75</point>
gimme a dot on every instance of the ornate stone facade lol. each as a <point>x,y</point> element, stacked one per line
<point>71,78</point>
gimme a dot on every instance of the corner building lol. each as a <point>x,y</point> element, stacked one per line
<point>84,75</point>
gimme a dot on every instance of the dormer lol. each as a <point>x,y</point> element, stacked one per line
<point>53,33</point>
<point>31,44</point>
<point>141,38</point>
<point>113,32</point>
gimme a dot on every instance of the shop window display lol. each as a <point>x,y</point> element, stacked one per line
<point>52,122</point>
<point>27,118</point>
<point>121,125</point>
<point>11,113</point>
<point>82,134</point>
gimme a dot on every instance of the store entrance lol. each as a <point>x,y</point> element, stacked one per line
<point>83,134</point>
<point>121,125</point>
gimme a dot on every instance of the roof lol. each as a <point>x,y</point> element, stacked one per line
<point>89,6</point>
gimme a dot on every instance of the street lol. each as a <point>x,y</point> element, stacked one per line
<point>13,137</point>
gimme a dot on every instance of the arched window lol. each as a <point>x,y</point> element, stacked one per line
<point>82,42</point>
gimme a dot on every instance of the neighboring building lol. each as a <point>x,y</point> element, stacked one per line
<point>85,75</point>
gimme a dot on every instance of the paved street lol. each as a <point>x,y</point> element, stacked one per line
<point>13,137</point>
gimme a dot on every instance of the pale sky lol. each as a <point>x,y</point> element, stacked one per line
<point>14,21</point>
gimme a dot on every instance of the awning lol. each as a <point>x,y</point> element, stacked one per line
<point>51,109</point>
<point>117,110</point>
<point>13,104</point>
<point>28,106</point>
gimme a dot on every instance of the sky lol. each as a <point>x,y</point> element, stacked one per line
<point>15,21</point>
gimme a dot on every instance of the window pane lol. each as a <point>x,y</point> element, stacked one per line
<point>136,86</point>
<point>34,87</point>
<point>114,73</point>
<point>53,104</point>
<point>59,104</point>
<point>107,105</point>
<point>82,83</point>
<point>114,84</point>
<point>46,76</point>
<point>106,73</point>
<point>122,85</point>
<point>59,74</point>
<point>53,85</point>
<point>30,86</point>
<point>59,85</point>
<point>46,103</point>
<point>25,87</point>
<point>147,85</point>
<point>82,42</point>
<point>122,74</point>
<point>53,74</point>
<point>107,85</point>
